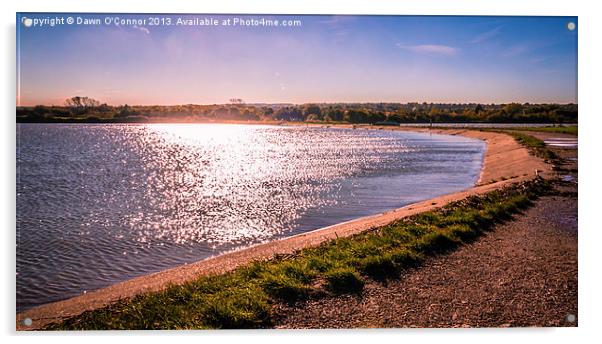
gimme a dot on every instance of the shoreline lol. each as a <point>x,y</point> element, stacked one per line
<point>505,162</point>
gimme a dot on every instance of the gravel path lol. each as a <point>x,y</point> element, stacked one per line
<point>524,273</point>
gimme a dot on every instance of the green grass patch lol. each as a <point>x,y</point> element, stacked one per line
<point>285,288</point>
<point>536,146</point>
<point>344,280</point>
<point>379,267</point>
<point>533,144</point>
<point>572,129</point>
<point>527,140</point>
<point>246,307</point>
<point>436,242</point>
<point>243,298</point>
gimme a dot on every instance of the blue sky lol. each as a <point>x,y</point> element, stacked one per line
<point>326,59</point>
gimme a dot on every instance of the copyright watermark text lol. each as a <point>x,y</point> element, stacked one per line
<point>159,21</point>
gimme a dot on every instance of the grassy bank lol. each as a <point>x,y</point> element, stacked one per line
<point>572,130</point>
<point>535,145</point>
<point>244,297</point>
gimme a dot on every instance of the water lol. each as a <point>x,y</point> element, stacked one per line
<point>562,142</point>
<point>485,125</point>
<point>99,204</point>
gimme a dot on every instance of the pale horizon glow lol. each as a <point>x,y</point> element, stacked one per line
<point>328,59</point>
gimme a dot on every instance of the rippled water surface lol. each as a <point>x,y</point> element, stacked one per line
<point>99,204</point>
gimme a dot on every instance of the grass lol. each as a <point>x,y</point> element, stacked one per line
<point>344,280</point>
<point>527,140</point>
<point>243,298</point>
<point>572,130</point>
<point>535,145</point>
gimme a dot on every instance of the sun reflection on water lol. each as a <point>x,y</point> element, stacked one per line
<point>226,183</point>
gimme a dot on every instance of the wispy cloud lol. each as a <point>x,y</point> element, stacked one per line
<point>430,49</point>
<point>516,50</point>
<point>337,20</point>
<point>538,59</point>
<point>338,26</point>
<point>142,29</point>
<point>487,35</point>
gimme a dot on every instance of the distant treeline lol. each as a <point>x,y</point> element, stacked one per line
<point>83,109</point>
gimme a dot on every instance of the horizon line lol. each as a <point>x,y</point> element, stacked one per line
<point>317,103</point>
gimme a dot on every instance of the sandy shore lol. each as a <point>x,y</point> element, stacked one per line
<point>505,162</point>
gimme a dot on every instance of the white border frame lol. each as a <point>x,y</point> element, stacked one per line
<point>590,120</point>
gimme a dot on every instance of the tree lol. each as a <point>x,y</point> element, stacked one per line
<point>312,118</point>
<point>81,102</point>
<point>513,108</point>
<point>335,114</point>
<point>123,111</point>
<point>356,116</point>
<point>312,109</point>
<point>80,105</point>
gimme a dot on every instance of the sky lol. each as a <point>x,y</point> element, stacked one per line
<point>326,59</point>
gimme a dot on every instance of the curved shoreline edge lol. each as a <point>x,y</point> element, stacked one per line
<point>505,162</point>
